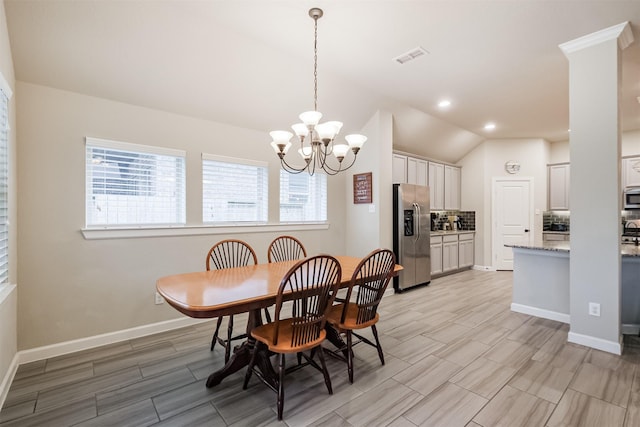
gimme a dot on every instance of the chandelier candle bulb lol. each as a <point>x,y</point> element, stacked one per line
<point>319,136</point>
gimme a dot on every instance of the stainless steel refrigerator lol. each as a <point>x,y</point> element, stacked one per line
<point>411,235</point>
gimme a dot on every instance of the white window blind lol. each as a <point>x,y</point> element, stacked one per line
<point>131,184</point>
<point>303,197</point>
<point>4,187</point>
<point>234,190</point>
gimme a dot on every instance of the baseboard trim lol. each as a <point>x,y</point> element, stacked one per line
<point>539,312</point>
<point>597,343</point>
<point>483,268</point>
<point>630,328</point>
<point>53,350</point>
<point>8,379</point>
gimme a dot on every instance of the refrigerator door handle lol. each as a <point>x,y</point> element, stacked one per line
<point>416,208</point>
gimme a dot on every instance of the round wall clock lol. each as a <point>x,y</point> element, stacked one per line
<point>512,166</point>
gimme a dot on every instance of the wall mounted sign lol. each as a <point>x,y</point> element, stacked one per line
<point>362,188</point>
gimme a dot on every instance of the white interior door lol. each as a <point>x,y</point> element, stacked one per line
<point>512,218</point>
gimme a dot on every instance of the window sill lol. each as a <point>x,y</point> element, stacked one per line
<point>198,230</point>
<point>5,291</point>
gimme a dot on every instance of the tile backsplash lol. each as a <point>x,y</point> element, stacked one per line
<point>555,217</point>
<point>467,219</point>
<point>562,217</point>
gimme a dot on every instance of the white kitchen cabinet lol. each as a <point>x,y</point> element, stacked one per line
<point>555,237</point>
<point>449,253</point>
<point>559,187</point>
<point>417,171</point>
<point>436,186</point>
<point>399,169</point>
<point>465,250</point>
<point>451,188</point>
<point>631,172</point>
<point>436,255</point>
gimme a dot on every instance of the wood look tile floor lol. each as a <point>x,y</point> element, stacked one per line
<point>455,356</point>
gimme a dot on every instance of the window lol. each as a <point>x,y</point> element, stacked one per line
<point>234,190</point>
<point>303,197</point>
<point>5,93</point>
<point>130,184</point>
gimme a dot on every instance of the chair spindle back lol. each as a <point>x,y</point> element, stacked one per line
<point>286,248</point>
<point>310,286</point>
<point>230,253</point>
<point>371,277</point>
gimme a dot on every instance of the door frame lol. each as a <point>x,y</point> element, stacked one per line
<point>494,226</point>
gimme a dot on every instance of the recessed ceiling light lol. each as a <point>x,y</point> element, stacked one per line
<point>568,130</point>
<point>490,126</point>
<point>445,103</point>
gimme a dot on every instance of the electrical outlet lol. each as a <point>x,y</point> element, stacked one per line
<point>159,299</point>
<point>594,309</point>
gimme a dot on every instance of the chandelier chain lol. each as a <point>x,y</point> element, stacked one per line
<point>315,65</point>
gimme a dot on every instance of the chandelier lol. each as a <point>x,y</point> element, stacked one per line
<point>317,140</point>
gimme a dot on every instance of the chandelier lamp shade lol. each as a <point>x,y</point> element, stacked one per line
<point>317,141</point>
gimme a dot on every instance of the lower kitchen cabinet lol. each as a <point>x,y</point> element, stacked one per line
<point>436,255</point>
<point>451,253</point>
<point>465,250</point>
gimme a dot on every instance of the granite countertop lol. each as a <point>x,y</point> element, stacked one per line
<point>626,249</point>
<point>444,233</point>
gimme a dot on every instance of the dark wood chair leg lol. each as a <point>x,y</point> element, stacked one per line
<point>378,346</point>
<point>350,356</point>
<point>325,372</point>
<point>281,387</point>
<point>215,334</point>
<point>227,349</point>
<point>267,315</point>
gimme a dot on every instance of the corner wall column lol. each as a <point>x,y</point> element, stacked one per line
<point>595,195</point>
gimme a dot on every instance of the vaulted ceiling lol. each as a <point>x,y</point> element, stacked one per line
<point>250,62</point>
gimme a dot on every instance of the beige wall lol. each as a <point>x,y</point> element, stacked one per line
<point>371,228</point>
<point>73,288</point>
<point>630,141</point>
<point>8,295</point>
<point>487,161</point>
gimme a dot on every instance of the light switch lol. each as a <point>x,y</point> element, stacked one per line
<point>372,208</point>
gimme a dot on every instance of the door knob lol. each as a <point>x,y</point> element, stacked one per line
<point>526,230</point>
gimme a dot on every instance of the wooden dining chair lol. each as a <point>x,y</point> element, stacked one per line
<point>308,289</point>
<point>285,248</point>
<point>229,254</point>
<point>371,277</point>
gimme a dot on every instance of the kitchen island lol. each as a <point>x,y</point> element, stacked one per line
<point>541,282</point>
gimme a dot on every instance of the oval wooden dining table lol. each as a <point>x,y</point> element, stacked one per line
<point>209,294</point>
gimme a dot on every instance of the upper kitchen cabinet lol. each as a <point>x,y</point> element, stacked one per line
<point>417,171</point>
<point>631,172</point>
<point>559,187</point>
<point>399,169</point>
<point>436,186</point>
<point>451,188</point>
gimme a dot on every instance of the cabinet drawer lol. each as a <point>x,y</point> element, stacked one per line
<point>465,236</point>
<point>554,237</point>
<point>435,240</point>
<point>450,239</point>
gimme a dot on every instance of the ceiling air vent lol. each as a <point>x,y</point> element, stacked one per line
<point>410,56</point>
